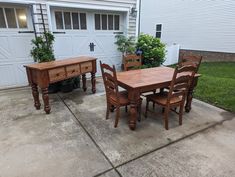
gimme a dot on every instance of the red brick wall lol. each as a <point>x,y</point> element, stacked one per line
<point>208,56</point>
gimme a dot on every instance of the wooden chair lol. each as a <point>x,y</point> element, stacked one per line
<point>188,60</point>
<point>114,98</point>
<point>191,60</point>
<point>178,89</point>
<point>131,62</point>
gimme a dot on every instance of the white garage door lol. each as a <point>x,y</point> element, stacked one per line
<point>77,30</point>
<point>14,46</point>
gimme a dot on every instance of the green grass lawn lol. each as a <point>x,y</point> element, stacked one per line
<point>217,84</point>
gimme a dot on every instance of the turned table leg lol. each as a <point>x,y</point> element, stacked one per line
<point>93,82</point>
<point>35,94</point>
<point>134,97</point>
<point>190,95</point>
<point>84,82</point>
<point>45,98</point>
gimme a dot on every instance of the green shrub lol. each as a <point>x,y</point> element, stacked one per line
<point>42,50</point>
<point>154,50</point>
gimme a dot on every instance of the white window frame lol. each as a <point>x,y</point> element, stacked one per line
<point>158,31</point>
<point>107,14</point>
<point>70,11</point>
<point>29,19</point>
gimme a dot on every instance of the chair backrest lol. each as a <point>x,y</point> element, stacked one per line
<point>191,60</point>
<point>181,81</point>
<point>110,80</point>
<point>131,62</point>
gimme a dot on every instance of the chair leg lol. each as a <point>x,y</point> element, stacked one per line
<point>166,117</point>
<point>163,109</point>
<point>146,109</point>
<point>139,111</point>
<point>154,91</point>
<point>126,108</point>
<point>107,111</point>
<point>117,116</point>
<point>181,113</point>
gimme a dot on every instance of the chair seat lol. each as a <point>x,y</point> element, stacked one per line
<point>161,98</point>
<point>123,98</point>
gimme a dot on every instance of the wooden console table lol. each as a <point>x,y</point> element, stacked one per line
<point>43,74</point>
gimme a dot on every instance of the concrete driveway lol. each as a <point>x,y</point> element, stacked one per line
<point>75,140</point>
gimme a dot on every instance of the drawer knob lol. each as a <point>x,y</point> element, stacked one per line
<point>73,71</point>
<point>57,74</point>
<point>86,67</point>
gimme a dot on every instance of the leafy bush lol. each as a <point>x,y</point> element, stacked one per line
<point>125,45</point>
<point>153,49</point>
<point>42,50</point>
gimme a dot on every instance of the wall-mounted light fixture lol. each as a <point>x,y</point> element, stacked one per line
<point>133,12</point>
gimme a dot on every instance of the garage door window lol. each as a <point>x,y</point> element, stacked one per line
<point>107,22</point>
<point>13,18</point>
<point>70,20</point>
<point>2,20</point>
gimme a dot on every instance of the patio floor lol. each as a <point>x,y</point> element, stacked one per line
<point>75,140</point>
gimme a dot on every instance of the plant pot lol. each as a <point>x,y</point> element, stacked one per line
<point>54,88</point>
<point>65,88</point>
<point>76,82</point>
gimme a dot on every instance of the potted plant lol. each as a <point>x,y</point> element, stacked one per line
<point>126,45</point>
<point>153,49</point>
<point>67,85</point>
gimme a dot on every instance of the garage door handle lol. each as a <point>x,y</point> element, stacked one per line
<point>92,46</point>
<point>25,31</point>
<point>117,32</point>
<point>58,32</point>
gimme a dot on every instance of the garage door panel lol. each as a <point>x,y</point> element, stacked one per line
<point>63,46</point>
<point>21,46</point>
<point>4,48</point>
<point>7,75</point>
<point>80,45</point>
<point>107,43</point>
<point>3,56</point>
<point>21,74</point>
<point>99,47</point>
<point>110,59</point>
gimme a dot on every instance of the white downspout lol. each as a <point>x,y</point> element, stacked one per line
<point>137,18</point>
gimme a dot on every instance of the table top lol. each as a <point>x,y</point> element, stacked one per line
<point>59,63</point>
<point>146,77</point>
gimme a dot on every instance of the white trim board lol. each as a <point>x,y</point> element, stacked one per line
<point>89,6</point>
<point>18,2</point>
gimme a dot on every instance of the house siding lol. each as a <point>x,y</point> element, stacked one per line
<point>38,18</point>
<point>194,25</point>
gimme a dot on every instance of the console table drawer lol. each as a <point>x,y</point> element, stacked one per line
<point>57,74</point>
<point>73,70</point>
<point>86,67</point>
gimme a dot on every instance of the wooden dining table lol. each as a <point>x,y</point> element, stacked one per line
<point>145,80</point>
